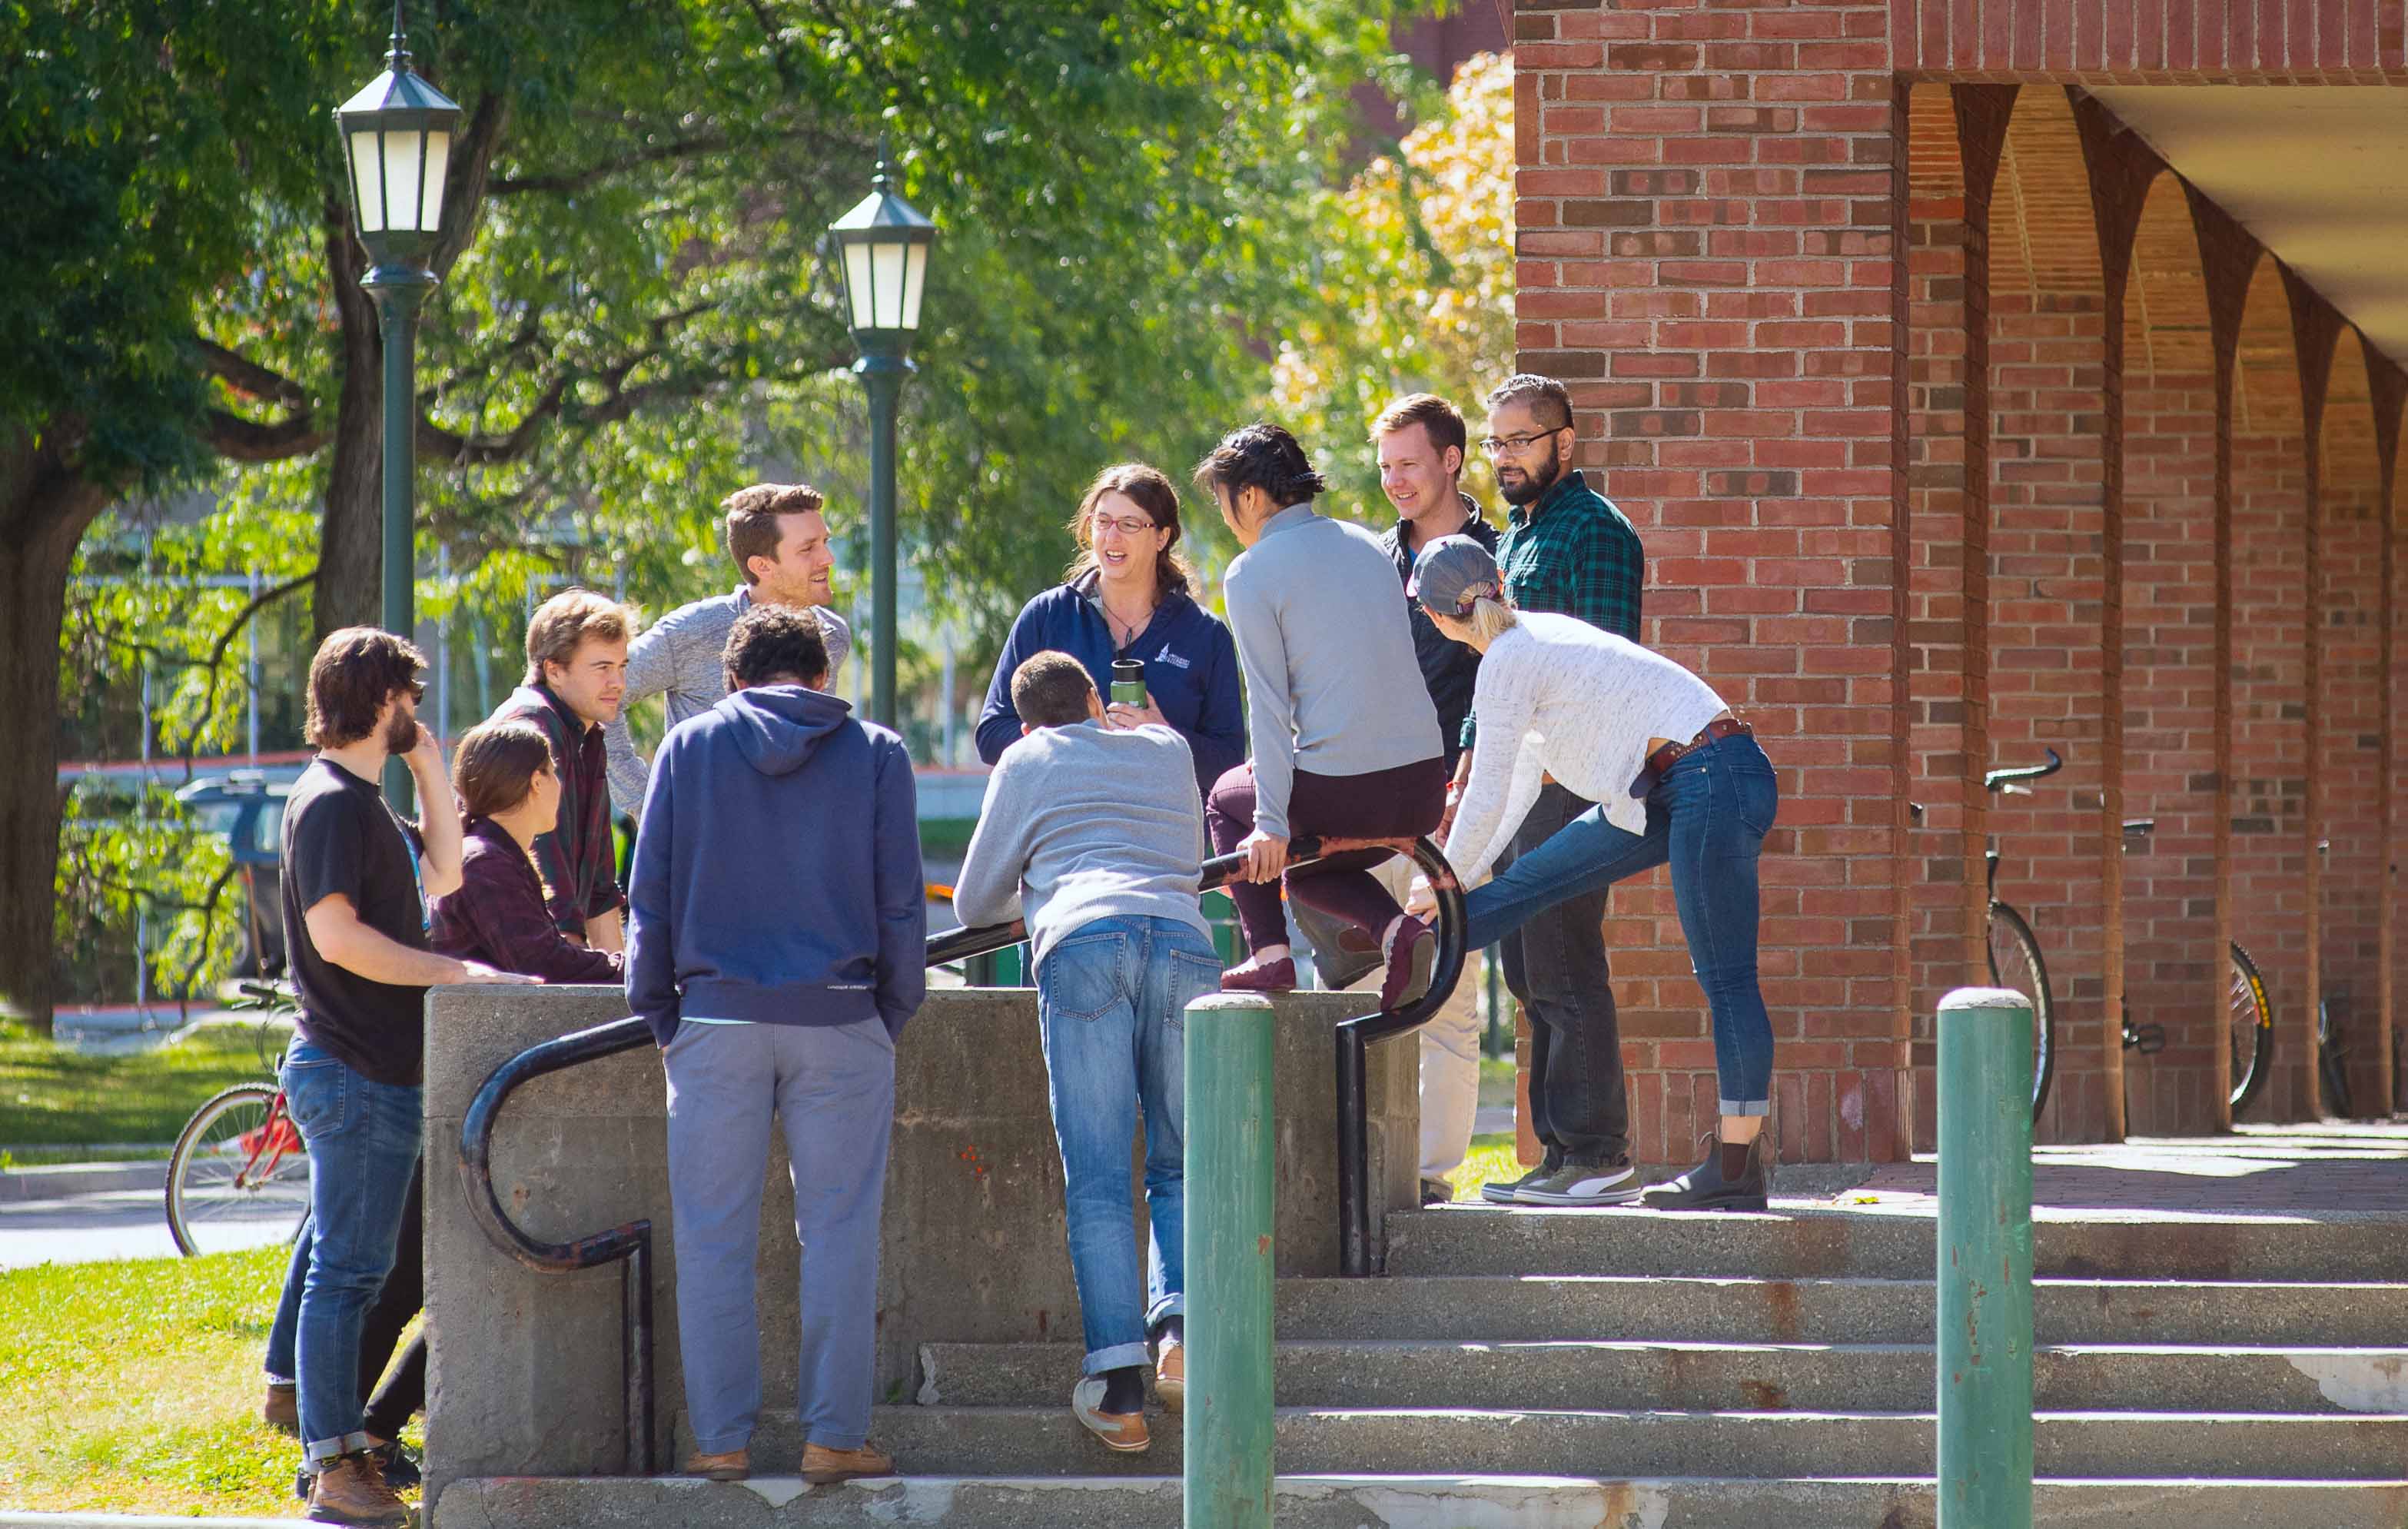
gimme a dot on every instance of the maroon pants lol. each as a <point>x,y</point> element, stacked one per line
<point>1400,803</point>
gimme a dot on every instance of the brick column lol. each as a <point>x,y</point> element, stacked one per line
<point>1722,308</point>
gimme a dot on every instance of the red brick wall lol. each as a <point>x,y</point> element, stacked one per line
<point>2349,724</point>
<point>2047,594</point>
<point>2152,41</point>
<point>1705,213</point>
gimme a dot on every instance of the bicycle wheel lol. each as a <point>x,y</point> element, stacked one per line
<point>2250,1024</point>
<point>2016,962</point>
<point>2330,1067</point>
<point>240,1176</point>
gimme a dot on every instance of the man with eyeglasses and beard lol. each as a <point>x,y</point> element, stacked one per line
<point>357,880</point>
<point>1565,550</point>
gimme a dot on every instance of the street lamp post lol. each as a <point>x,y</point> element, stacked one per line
<point>397,135</point>
<point>883,247</point>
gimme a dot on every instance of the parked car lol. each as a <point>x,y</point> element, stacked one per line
<point>248,807</point>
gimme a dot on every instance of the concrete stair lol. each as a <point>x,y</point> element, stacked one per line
<point>1624,1368</point>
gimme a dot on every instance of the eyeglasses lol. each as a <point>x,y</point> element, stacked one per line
<point>417,692</point>
<point>1515,445</point>
<point>1127,525</point>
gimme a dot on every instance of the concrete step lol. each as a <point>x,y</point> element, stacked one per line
<point>1501,1309</point>
<point>1831,1244</point>
<point>1395,1502</point>
<point>1049,1441</point>
<point>1721,1376</point>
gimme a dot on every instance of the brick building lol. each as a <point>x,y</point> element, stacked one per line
<point>1984,377</point>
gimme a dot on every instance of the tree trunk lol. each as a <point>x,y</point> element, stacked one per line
<point>44,507</point>
<point>350,538</point>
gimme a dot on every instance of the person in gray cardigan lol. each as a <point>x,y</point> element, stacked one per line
<point>778,541</point>
<point>1098,836</point>
<point>1345,737</point>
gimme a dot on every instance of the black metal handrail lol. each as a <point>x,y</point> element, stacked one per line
<point>630,1243</point>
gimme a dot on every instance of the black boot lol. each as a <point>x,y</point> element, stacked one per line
<point>1712,1185</point>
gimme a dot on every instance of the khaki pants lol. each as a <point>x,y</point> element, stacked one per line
<point>1450,1049</point>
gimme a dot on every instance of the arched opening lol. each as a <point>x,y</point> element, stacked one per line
<point>2347,605</point>
<point>2172,959</point>
<point>2048,579</point>
<point>2268,795</point>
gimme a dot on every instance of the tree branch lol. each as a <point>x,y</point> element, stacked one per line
<point>248,441</point>
<point>570,183</point>
<point>252,607</point>
<point>248,375</point>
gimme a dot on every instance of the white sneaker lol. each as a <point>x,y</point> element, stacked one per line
<point>1611,1183</point>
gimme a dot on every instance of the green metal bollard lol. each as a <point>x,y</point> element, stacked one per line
<point>1229,1258</point>
<point>1986,1260</point>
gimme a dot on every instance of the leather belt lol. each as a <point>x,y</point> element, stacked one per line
<point>1721,727</point>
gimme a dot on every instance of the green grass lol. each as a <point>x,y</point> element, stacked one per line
<point>1490,1160</point>
<point>51,1096</point>
<point>946,837</point>
<point>134,1387</point>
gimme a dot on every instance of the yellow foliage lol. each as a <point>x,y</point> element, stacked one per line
<point>1415,289</point>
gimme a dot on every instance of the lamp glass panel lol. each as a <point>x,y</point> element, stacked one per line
<point>915,276</point>
<point>858,286</point>
<point>439,156</point>
<point>888,263</point>
<point>367,181</point>
<point>401,151</point>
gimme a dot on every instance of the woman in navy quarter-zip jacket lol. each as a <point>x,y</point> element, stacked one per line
<point>1127,598</point>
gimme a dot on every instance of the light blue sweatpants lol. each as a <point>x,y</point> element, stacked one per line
<point>831,1088</point>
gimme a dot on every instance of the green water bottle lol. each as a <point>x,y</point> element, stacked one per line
<point>1129,683</point>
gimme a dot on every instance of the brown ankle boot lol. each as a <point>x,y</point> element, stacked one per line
<point>823,1466</point>
<point>726,1465</point>
<point>280,1409</point>
<point>351,1490</point>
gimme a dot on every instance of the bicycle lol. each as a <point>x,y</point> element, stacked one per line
<point>2016,962</point>
<point>239,1160</point>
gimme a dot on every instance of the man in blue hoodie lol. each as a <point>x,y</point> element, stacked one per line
<point>777,943</point>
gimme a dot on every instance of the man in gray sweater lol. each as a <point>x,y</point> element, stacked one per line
<point>1099,839</point>
<point>778,541</point>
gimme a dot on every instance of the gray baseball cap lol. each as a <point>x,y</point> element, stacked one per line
<point>1450,573</point>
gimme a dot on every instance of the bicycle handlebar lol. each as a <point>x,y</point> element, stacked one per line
<point>1998,780</point>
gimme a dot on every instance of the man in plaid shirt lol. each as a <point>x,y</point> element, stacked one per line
<point>1568,551</point>
<point>577,674</point>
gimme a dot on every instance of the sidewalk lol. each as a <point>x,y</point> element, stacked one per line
<point>2310,1172</point>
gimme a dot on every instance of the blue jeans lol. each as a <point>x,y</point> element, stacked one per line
<point>364,1139</point>
<point>1706,819</point>
<point>1112,1005</point>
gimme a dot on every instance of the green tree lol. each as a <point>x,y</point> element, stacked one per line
<point>631,277</point>
<point>1417,295</point>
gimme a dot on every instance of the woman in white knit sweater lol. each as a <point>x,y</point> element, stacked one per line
<point>1677,779</point>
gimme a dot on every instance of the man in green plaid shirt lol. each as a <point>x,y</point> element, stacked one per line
<point>1568,551</point>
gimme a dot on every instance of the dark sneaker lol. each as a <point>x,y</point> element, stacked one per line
<point>1704,1187</point>
<point>1503,1192</point>
<point>1277,976</point>
<point>1435,1191</point>
<point>351,1490</point>
<point>1613,1182</point>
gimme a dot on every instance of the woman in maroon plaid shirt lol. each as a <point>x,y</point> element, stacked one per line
<point>507,795</point>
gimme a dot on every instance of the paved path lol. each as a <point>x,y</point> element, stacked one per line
<point>2258,1171</point>
<point>123,1224</point>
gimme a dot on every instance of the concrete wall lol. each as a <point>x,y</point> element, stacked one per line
<point>526,1376</point>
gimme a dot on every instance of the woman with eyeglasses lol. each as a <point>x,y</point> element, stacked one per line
<point>1126,596</point>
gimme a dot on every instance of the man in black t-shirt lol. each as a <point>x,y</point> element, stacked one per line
<point>355,884</point>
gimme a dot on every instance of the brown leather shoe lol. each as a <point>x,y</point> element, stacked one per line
<point>1170,1374</point>
<point>729,1465</point>
<point>1122,1432</point>
<point>281,1409</point>
<point>822,1467</point>
<point>351,1490</point>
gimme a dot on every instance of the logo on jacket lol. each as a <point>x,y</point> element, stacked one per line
<point>1166,657</point>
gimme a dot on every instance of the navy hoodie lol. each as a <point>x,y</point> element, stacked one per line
<point>1191,671</point>
<point>776,873</point>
